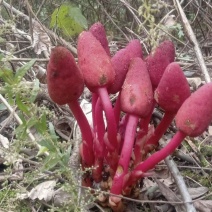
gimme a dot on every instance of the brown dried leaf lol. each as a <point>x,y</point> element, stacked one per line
<point>194,82</point>
<point>61,197</point>
<point>64,127</point>
<point>197,192</point>
<point>18,167</point>
<point>165,177</point>
<point>4,142</point>
<point>203,205</point>
<point>41,40</point>
<point>43,191</point>
<point>170,196</point>
<point>210,130</point>
<point>169,21</point>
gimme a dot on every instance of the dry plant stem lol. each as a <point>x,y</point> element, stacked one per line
<point>113,21</point>
<point>193,40</point>
<point>152,142</point>
<point>52,34</point>
<point>27,59</point>
<point>135,16</point>
<point>19,121</point>
<point>111,123</point>
<point>85,128</point>
<point>180,184</point>
<point>126,153</point>
<point>155,158</point>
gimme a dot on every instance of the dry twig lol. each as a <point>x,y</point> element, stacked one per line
<point>193,40</point>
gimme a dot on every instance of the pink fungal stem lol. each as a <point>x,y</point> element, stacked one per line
<point>87,136</point>
<point>123,164</point>
<point>155,158</point>
<point>141,137</point>
<point>109,113</point>
<point>99,146</point>
<point>94,100</point>
<point>152,142</point>
<point>117,109</point>
<point>122,129</point>
<point>98,165</point>
<point>100,128</point>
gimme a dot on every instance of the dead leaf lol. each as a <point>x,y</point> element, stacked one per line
<point>203,205</point>
<point>41,40</point>
<point>43,191</point>
<point>170,196</point>
<point>64,126</point>
<point>61,197</point>
<point>194,82</point>
<point>4,142</point>
<point>164,207</point>
<point>210,130</point>
<point>40,73</point>
<point>87,109</point>
<point>165,176</point>
<point>147,183</point>
<point>197,192</point>
<point>169,21</point>
<point>18,167</point>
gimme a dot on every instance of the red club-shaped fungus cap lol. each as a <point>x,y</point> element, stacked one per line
<point>120,62</point>
<point>134,49</point>
<point>64,79</point>
<point>137,94</point>
<point>94,62</point>
<point>98,31</point>
<point>173,88</point>
<point>158,60</point>
<point>195,114</point>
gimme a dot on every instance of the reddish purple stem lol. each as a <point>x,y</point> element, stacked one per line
<point>155,158</point>
<point>100,128</point>
<point>123,164</point>
<point>117,109</point>
<point>94,100</point>
<point>152,142</point>
<point>109,113</point>
<point>85,128</point>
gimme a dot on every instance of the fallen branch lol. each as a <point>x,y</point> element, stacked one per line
<point>193,40</point>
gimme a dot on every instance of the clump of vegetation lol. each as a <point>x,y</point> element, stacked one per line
<point>57,156</point>
<point>110,148</point>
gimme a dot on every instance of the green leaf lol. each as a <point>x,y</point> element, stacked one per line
<point>41,125</point>
<point>2,40</point>
<point>23,70</point>
<point>34,91</point>
<point>7,76</point>
<point>21,116</point>
<point>52,132</point>
<point>69,20</point>
<point>31,122</point>
<point>66,156</point>
<point>1,55</point>
<point>51,161</point>
<point>21,105</point>
<point>48,144</point>
<point>42,150</point>
<point>21,129</point>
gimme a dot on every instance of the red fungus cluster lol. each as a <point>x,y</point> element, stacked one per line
<point>118,148</point>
